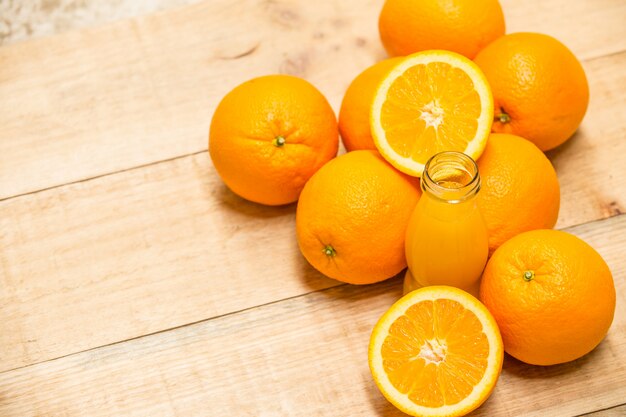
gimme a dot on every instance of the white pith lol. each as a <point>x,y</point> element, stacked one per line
<point>433,351</point>
<point>432,114</point>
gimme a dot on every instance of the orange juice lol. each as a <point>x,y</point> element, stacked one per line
<point>446,240</point>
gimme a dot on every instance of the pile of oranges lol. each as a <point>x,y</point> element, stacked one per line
<point>454,81</point>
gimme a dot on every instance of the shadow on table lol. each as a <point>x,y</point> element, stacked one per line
<point>275,219</point>
<point>569,147</point>
<point>231,201</point>
<point>521,370</point>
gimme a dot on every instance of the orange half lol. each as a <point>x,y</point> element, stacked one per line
<point>436,352</point>
<point>430,102</point>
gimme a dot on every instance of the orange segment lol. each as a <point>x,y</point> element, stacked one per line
<point>432,101</point>
<point>436,352</point>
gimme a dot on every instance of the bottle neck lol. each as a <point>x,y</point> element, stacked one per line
<point>451,177</point>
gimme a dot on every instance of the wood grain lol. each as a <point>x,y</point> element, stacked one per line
<point>136,284</point>
<point>138,252</point>
<point>581,25</point>
<point>300,357</point>
<point>149,249</point>
<point>144,90</point>
<point>587,164</point>
<point>96,101</point>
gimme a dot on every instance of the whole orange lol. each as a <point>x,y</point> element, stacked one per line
<point>352,217</point>
<point>551,294</point>
<point>540,90</point>
<point>354,121</point>
<point>462,26</point>
<point>520,190</point>
<point>269,135</point>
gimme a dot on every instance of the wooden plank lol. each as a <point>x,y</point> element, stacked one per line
<point>581,25</point>
<point>100,100</point>
<point>300,357</point>
<point>96,101</point>
<point>146,250</point>
<point>139,252</point>
<point>589,175</point>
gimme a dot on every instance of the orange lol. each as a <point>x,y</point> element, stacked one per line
<point>436,352</point>
<point>540,89</point>
<point>462,26</point>
<point>352,217</point>
<point>269,135</point>
<point>427,103</point>
<point>552,295</point>
<point>520,190</point>
<point>354,121</point>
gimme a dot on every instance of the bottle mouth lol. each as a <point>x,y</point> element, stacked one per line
<point>451,176</point>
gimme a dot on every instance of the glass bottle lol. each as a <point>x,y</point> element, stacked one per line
<point>446,240</point>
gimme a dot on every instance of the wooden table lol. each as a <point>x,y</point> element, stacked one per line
<point>134,283</point>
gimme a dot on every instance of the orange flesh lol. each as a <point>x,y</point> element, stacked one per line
<point>435,353</point>
<point>430,108</point>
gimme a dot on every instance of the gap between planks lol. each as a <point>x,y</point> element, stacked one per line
<point>615,411</point>
<point>108,174</point>
<point>243,310</point>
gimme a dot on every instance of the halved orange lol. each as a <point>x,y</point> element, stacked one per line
<point>430,102</point>
<point>436,352</point>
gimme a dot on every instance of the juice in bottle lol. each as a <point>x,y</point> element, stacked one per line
<point>446,241</point>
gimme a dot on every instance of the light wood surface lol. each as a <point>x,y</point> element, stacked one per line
<point>133,282</point>
<point>305,356</point>
<point>586,164</point>
<point>138,252</point>
<point>143,90</point>
<point>172,239</point>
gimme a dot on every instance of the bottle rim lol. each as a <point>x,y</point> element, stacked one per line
<point>451,176</point>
